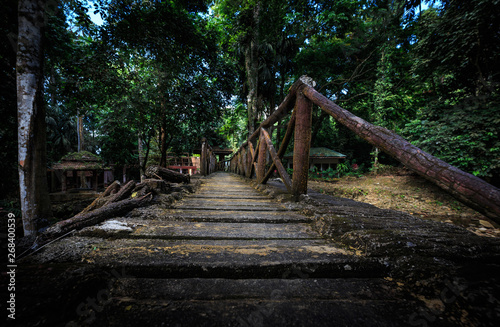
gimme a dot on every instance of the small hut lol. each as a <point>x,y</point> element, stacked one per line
<point>79,170</point>
<point>184,164</point>
<point>321,158</point>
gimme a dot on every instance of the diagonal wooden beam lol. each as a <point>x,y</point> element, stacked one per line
<point>283,146</point>
<point>277,161</point>
<point>250,160</point>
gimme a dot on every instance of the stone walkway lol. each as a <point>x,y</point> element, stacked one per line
<point>230,255</point>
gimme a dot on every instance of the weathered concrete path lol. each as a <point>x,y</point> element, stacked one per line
<point>230,255</point>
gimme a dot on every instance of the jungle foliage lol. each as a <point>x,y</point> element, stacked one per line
<point>156,76</point>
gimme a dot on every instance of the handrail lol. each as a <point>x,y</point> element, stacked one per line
<point>208,160</point>
<point>467,188</point>
<point>243,161</point>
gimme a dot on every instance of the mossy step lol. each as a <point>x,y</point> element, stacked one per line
<point>257,302</point>
<point>231,196</point>
<point>227,207</point>
<point>200,230</point>
<point>231,258</point>
<point>275,217</point>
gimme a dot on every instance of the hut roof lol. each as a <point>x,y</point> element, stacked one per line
<point>83,160</point>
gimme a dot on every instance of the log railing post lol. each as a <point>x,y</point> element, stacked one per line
<point>244,161</point>
<point>253,156</point>
<point>302,144</point>
<point>261,160</point>
<point>203,157</point>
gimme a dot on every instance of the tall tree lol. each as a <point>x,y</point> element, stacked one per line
<point>242,19</point>
<point>256,35</point>
<point>173,37</point>
<point>456,61</point>
<point>35,202</point>
<point>251,49</point>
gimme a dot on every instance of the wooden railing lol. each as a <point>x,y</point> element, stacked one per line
<point>208,160</point>
<point>251,156</point>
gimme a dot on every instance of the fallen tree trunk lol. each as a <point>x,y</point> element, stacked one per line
<point>156,186</point>
<point>123,193</point>
<point>166,174</point>
<point>93,217</point>
<point>467,188</point>
<point>98,202</point>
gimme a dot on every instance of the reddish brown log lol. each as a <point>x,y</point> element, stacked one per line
<point>113,187</point>
<point>94,217</point>
<point>203,157</point>
<point>167,174</point>
<point>240,162</point>
<point>277,162</point>
<point>255,154</point>
<point>154,186</point>
<point>250,158</point>
<point>467,188</point>
<point>261,160</point>
<point>123,193</point>
<point>302,144</point>
<point>244,161</point>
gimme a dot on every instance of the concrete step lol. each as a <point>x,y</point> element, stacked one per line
<point>255,302</point>
<point>254,216</point>
<point>229,201</point>
<point>231,196</point>
<point>291,287</point>
<point>227,207</point>
<point>239,259</point>
<point>200,230</point>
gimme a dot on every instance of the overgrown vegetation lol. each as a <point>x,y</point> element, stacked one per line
<point>156,76</point>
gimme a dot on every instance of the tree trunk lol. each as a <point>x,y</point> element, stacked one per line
<point>123,193</point>
<point>35,202</point>
<point>317,126</point>
<point>146,156</point>
<point>252,69</point>
<point>114,187</point>
<point>467,188</point>
<point>163,142</point>
<point>167,174</point>
<point>79,124</point>
<point>141,157</point>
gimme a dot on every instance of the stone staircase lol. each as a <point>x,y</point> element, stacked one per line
<point>228,255</point>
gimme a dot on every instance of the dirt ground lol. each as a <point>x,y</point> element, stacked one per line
<point>399,189</point>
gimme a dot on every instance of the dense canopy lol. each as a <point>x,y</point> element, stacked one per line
<point>132,81</point>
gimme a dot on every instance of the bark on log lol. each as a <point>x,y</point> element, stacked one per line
<point>167,174</point>
<point>156,186</point>
<point>98,201</point>
<point>123,193</point>
<point>467,188</point>
<point>94,217</point>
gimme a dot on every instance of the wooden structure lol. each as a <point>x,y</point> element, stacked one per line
<point>252,155</point>
<point>184,164</point>
<point>78,170</point>
<point>321,158</point>
<point>208,158</point>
